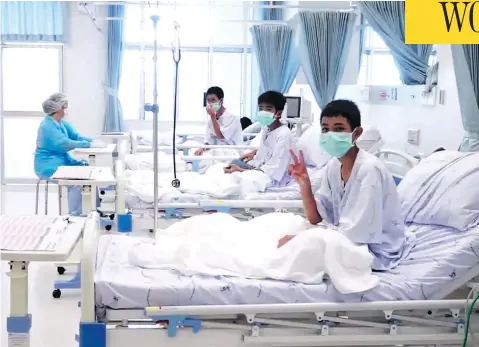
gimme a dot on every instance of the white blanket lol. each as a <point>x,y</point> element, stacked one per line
<point>144,161</point>
<point>213,184</point>
<point>220,245</point>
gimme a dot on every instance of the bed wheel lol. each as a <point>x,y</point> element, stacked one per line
<point>61,270</point>
<point>112,217</point>
<point>151,230</point>
<point>107,227</point>
<point>57,293</point>
<point>102,215</point>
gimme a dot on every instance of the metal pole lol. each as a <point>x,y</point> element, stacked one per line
<point>154,109</point>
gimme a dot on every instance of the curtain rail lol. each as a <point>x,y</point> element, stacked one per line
<point>350,7</point>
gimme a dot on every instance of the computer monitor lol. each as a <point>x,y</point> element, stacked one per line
<point>293,107</point>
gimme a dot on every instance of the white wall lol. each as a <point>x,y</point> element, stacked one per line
<point>440,125</point>
<point>84,71</point>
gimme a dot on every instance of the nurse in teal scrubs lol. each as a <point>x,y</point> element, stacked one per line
<point>56,137</point>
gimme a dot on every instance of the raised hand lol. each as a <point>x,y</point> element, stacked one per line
<point>298,168</point>
<point>210,111</point>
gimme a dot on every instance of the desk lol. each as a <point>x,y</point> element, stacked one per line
<point>35,238</point>
<point>121,140</point>
<point>100,177</point>
<point>97,156</point>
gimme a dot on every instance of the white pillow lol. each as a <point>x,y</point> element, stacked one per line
<point>314,155</point>
<point>442,190</point>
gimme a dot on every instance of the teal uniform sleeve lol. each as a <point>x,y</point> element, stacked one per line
<point>60,141</point>
<point>73,134</point>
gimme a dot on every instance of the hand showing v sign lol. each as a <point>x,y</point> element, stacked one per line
<point>298,168</point>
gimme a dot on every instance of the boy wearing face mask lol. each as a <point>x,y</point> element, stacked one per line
<point>272,156</point>
<point>357,195</point>
<point>223,127</point>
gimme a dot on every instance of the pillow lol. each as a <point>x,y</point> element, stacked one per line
<point>442,190</point>
<point>314,155</point>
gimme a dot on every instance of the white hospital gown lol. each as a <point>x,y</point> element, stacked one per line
<point>273,157</point>
<point>366,209</point>
<point>230,126</point>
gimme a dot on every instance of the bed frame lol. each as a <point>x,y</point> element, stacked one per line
<point>411,323</point>
<point>399,164</point>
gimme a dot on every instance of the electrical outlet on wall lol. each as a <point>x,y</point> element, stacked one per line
<point>413,136</point>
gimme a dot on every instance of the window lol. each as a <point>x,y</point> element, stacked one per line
<point>228,73</point>
<point>216,50</point>
<point>19,150</point>
<point>26,84</point>
<point>377,65</point>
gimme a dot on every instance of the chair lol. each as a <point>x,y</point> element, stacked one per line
<point>47,181</point>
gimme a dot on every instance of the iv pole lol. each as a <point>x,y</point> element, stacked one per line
<point>154,109</point>
<point>176,59</point>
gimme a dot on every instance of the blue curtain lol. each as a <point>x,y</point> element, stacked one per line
<point>466,68</point>
<point>362,41</point>
<point>39,21</point>
<point>114,113</point>
<point>387,19</point>
<point>325,42</point>
<point>272,13</point>
<point>274,49</point>
<point>265,14</point>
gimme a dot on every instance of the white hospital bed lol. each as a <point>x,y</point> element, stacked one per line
<point>397,162</point>
<point>123,304</point>
<point>412,304</point>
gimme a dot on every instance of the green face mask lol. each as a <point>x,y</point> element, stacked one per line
<point>216,106</point>
<point>265,118</point>
<point>336,144</point>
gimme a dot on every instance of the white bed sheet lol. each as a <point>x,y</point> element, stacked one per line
<point>440,257</point>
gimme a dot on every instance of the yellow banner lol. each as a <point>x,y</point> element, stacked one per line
<point>442,22</point>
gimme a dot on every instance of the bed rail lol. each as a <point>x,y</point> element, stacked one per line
<point>388,307</point>
<point>398,168</point>
<point>195,158</point>
<point>273,204</point>
<point>91,236</point>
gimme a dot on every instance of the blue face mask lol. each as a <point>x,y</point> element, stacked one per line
<point>265,118</point>
<point>336,144</point>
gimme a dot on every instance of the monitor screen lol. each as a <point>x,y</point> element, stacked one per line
<point>293,106</point>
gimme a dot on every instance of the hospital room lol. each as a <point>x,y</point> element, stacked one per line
<point>239,173</point>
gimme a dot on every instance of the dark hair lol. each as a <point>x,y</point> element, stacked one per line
<point>273,98</point>
<point>245,122</point>
<point>216,91</point>
<point>345,108</point>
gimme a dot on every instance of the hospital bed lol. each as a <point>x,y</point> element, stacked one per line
<point>175,205</point>
<point>142,140</point>
<point>412,305</point>
<point>123,304</point>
